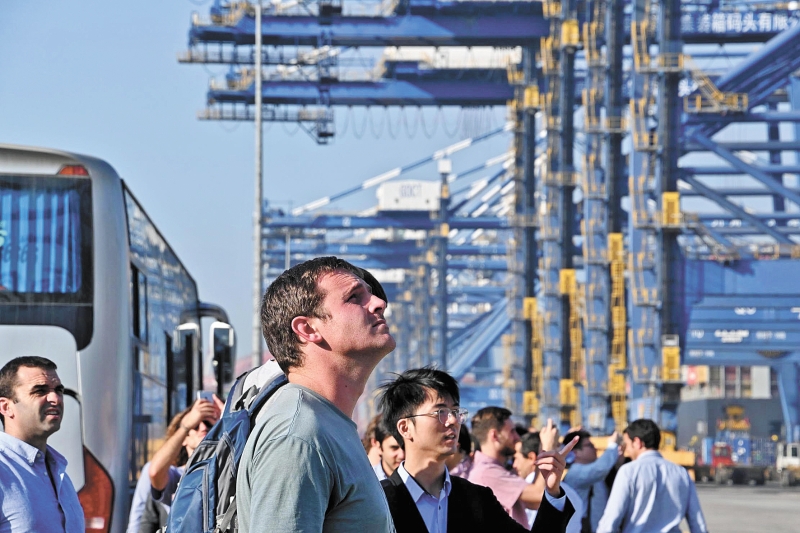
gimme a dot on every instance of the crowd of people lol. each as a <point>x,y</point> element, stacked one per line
<point>305,467</point>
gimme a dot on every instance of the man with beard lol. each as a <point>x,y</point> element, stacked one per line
<point>494,430</point>
<point>421,408</point>
<point>37,494</point>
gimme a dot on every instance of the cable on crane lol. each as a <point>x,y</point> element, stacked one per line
<point>372,121</point>
<point>287,131</point>
<point>392,134</point>
<point>343,130</point>
<point>410,134</point>
<point>421,115</point>
<point>458,123</point>
<point>356,134</point>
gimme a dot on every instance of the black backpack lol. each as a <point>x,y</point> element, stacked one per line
<point>205,501</point>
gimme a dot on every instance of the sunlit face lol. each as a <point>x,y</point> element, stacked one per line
<point>37,409</point>
<point>391,455</point>
<point>354,323</point>
<point>426,435</point>
<point>627,444</point>
<point>523,465</point>
<point>507,438</point>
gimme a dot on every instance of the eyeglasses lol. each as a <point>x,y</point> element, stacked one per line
<point>208,425</point>
<point>444,414</point>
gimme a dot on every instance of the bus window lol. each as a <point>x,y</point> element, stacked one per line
<point>46,253</point>
<point>139,301</point>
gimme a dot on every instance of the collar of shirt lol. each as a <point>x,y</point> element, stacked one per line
<point>378,469</point>
<point>31,453</point>
<point>418,492</point>
<point>648,454</point>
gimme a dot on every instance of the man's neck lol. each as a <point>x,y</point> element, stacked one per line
<point>39,443</point>
<point>341,384</point>
<point>428,472</point>
<point>489,451</point>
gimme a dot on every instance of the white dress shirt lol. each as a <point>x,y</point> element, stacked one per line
<point>574,524</point>
<point>432,508</point>
<point>652,494</point>
<point>378,469</point>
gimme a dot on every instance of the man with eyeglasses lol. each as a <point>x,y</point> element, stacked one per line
<point>421,407</point>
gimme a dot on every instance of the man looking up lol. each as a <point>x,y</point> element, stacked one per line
<point>391,452</point>
<point>304,467</point>
<point>422,408</point>
<point>587,475</point>
<point>650,493</point>
<point>37,494</point>
<point>493,428</point>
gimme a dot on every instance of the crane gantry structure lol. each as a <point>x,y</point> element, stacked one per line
<point>641,220</point>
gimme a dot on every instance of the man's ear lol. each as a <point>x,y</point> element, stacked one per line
<point>305,330</point>
<point>6,408</point>
<point>403,428</point>
<point>532,456</point>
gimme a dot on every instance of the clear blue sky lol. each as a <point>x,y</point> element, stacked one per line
<point>102,78</point>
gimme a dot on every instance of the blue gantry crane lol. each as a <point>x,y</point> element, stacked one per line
<point>631,232</point>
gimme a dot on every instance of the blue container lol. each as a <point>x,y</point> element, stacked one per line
<point>764,451</point>
<point>741,451</point>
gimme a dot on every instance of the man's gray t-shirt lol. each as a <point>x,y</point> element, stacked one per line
<point>304,470</point>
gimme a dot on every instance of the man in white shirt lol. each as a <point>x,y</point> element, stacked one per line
<point>650,493</point>
<point>37,493</point>
<point>391,452</point>
<point>527,450</point>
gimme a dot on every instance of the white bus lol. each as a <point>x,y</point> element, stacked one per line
<point>88,281</point>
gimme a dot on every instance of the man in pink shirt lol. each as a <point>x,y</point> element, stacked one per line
<point>494,430</point>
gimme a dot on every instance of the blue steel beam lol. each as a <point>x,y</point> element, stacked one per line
<point>760,75</point>
<point>440,23</point>
<point>737,192</point>
<point>382,248</point>
<point>724,152</point>
<point>383,221</point>
<point>382,93</point>
<point>734,209</point>
<point>503,24</point>
<point>391,174</point>
<point>727,171</point>
<point>402,83</point>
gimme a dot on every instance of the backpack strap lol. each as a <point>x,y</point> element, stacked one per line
<point>236,396</point>
<point>266,392</point>
<point>224,521</point>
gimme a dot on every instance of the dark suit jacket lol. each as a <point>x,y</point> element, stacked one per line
<point>470,507</point>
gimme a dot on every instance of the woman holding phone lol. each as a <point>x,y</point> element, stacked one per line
<point>159,478</point>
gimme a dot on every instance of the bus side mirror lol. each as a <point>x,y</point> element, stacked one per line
<point>223,338</point>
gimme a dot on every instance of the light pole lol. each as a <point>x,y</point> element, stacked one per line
<point>257,270</point>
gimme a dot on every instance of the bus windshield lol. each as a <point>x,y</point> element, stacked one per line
<point>45,239</point>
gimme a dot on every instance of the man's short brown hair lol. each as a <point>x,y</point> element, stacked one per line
<point>489,418</point>
<point>296,293</point>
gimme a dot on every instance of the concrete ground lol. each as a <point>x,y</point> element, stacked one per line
<point>743,509</point>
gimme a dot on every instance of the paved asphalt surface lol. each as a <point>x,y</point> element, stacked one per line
<point>743,509</point>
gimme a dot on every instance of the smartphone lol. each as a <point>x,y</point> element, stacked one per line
<point>205,395</point>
